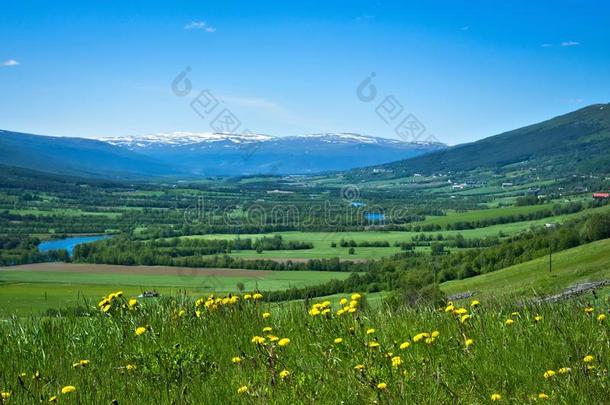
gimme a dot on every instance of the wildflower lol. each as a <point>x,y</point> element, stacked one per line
<point>475,303</point>
<point>351,310</point>
<point>243,389</point>
<point>236,360</point>
<point>132,303</point>
<point>588,359</point>
<point>338,341</point>
<point>284,374</point>
<point>382,386</point>
<point>53,399</point>
<point>549,374</point>
<point>370,331</point>
<point>435,334</point>
<point>588,310</point>
<point>283,342</point>
<point>273,338</point>
<point>356,297</point>
<point>314,312</point>
<point>5,395</point>
<point>509,322</point>
<point>537,318</point>
<point>267,329</point>
<point>106,308</point>
<point>464,318</point>
<point>343,301</point>
<point>266,315</point>
<point>460,311</point>
<point>449,308</point>
<point>564,370</point>
<point>469,342</point>
<point>396,361</point>
<point>514,314</point>
<point>181,313</point>
<point>81,363</point>
<point>359,367</point>
<point>35,376</point>
<point>420,336</point>
<point>140,330</point>
<point>257,296</point>
<point>259,340</point>
<point>495,397</point>
<point>373,345</point>
<point>130,367</point>
<point>404,345</point>
<point>430,340</point>
<point>543,396</point>
<point>601,317</point>
<point>68,389</point>
<point>247,297</point>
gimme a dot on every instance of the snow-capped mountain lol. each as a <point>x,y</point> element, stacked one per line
<point>235,154</point>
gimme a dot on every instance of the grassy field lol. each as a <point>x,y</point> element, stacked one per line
<point>589,262</point>
<point>172,351</point>
<point>26,292</point>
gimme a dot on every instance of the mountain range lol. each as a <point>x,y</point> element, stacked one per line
<point>202,154</point>
<point>576,142</point>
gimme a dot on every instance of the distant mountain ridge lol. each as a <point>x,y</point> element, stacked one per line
<point>576,142</point>
<point>201,154</point>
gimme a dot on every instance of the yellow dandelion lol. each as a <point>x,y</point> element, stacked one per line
<point>284,374</point>
<point>259,340</point>
<point>549,374</point>
<point>338,341</point>
<point>5,395</point>
<point>538,318</point>
<point>589,310</point>
<point>130,367</point>
<point>464,318</point>
<point>257,296</point>
<point>273,338</point>
<point>68,389</point>
<point>449,308</point>
<point>343,301</point>
<point>283,342</point>
<point>543,396</point>
<point>140,330</point>
<point>495,397</point>
<point>475,303</point>
<point>236,360</point>
<point>370,331</point>
<point>359,367</point>
<point>266,315</point>
<point>382,386</point>
<point>588,359</point>
<point>132,303</point>
<point>564,370</point>
<point>267,329</point>
<point>404,345</point>
<point>396,361</point>
<point>356,297</point>
<point>514,314</point>
<point>601,317</point>
<point>420,336</point>
<point>469,342</point>
<point>509,322</point>
<point>373,345</point>
<point>53,399</point>
<point>243,389</point>
<point>435,334</point>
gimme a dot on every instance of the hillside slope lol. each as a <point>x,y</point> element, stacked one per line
<point>578,141</point>
<point>590,262</point>
<point>76,157</point>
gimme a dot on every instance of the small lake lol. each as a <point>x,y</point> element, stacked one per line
<point>69,243</point>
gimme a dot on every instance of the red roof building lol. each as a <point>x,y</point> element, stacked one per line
<point>601,195</point>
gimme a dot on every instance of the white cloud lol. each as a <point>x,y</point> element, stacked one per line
<point>570,43</point>
<point>10,62</point>
<point>199,25</point>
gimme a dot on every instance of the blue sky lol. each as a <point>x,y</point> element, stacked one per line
<point>466,70</point>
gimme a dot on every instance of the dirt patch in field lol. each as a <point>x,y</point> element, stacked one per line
<point>137,270</point>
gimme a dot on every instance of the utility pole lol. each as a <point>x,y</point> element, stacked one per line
<point>550,256</point>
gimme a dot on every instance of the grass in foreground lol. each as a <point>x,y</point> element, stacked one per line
<point>231,351</point>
